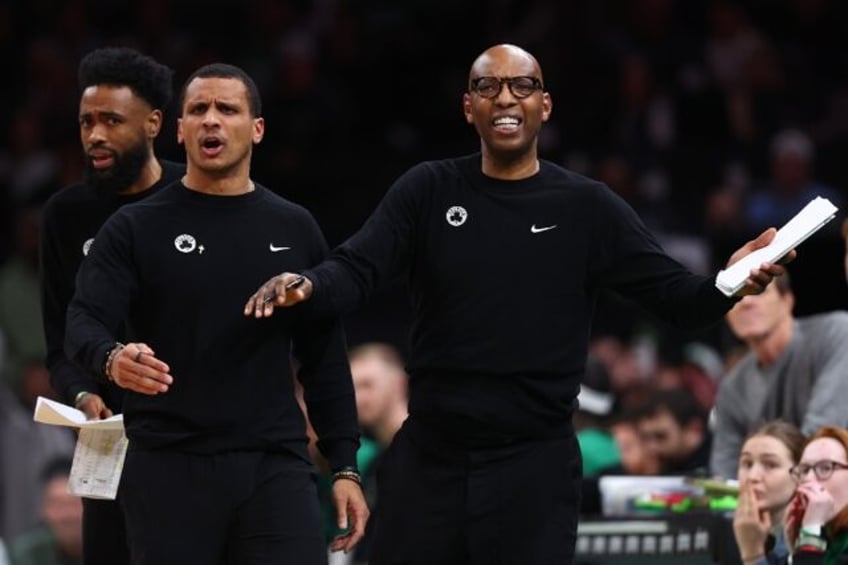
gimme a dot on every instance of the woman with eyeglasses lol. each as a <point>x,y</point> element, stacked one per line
<point>765,489</point>
<point>816,522</point>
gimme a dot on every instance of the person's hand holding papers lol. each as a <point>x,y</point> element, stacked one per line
<point>756,263</point>
<point>760,276</point>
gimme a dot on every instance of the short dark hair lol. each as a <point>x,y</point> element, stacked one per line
<point>122,66</point>
<point>224,70</point>
<point>59,466</point>
<point>680,403</point>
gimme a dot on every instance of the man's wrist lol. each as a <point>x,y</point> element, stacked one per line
<point>78,399</point>
<point>110,359</point>
<point>350,473</point>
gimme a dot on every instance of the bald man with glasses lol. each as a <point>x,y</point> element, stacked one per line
<point>504,254</point>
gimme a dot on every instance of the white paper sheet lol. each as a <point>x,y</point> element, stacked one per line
<point>100,451</point>
<point>805,223</point>
<point>51,412</point>
<point>98,463</point>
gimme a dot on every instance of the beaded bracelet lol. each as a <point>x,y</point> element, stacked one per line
<point>349,473</point>
<point>107,366</point>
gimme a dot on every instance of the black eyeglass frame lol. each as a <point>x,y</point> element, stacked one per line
<point>800,471</point>
<point>474,85</point>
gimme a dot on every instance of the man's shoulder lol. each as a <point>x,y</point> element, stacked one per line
<point>449,166</point>
<point>72,195</point>
<point>569,176</point>
<point>280,204</point>
<point>824,323</point>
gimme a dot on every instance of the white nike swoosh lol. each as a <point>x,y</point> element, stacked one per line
<point>274,248</point>
<point>534,229</point>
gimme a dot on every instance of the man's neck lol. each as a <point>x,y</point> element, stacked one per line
<point>231,183</point>
<point>771,346</point>
<point>150,175</point>
<point>521,168</point>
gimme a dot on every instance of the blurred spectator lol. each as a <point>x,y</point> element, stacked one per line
<point>595,404</point>
<point>731,42</point>
<point>695,367</point>
<point>816,522</point>
<point>791,184</point>
<point>20,306</point>
<point>674,429</point>
<point>27,164</point>
<point>636,458</point>
<point>58,540</point>
<point>380,383</point>
<point>765,489</point>
<point>365,457</point>
<point>25,449</point>
<point>794,371</point>
<point>26,446</point>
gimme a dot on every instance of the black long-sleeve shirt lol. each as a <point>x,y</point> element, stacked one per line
<point>70,220</point>
<point>178,268</point>
<point>504,277</point>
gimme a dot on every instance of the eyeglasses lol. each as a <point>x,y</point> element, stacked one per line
<point>649,436</point>
<point>822,469</point>
<point>520,87</point>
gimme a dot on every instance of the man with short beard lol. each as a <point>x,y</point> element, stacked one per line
<point>123,96</point>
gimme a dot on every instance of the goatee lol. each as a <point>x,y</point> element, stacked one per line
<point>125,170</point>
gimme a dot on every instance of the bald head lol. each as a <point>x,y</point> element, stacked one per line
<point>501,55</point>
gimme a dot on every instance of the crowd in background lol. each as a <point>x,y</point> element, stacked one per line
<point>712,118</point>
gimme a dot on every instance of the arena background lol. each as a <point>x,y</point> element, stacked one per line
<point>673,103</point>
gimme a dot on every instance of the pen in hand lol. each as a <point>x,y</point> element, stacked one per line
<point>293,284</point>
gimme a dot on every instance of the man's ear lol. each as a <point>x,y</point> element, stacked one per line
<point>153,124</point>
<point>258,130</point>
<point>466,108</point>
<point>547,106</point>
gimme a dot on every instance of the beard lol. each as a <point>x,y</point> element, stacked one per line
<point>125,170</point>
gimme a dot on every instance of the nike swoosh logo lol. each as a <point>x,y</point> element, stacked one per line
<point>274,248</point>
<point>534,229</point>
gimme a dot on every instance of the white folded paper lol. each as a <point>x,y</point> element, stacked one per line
<point>51,412</point>
<point>805,223</point>
<point>100,451</point>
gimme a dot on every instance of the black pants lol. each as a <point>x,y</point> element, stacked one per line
<point>516,504</point>
<point>241,508</point>
<point>104,538</point>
